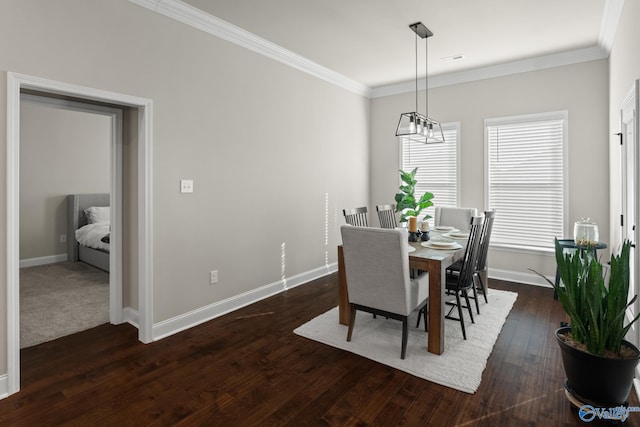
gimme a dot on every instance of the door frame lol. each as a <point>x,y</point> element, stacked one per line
<point>629,112</point>
<point>15,83</point>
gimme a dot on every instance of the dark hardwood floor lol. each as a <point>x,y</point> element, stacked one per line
<point>248,368</point>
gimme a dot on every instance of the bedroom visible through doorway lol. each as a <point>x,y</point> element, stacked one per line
<point>64,149</point>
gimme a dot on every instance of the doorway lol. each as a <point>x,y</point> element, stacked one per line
<point>66,147</point>
<point>17,83</point>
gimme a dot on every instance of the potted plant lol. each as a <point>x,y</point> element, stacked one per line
<point>599,363</point>
<point>406,202</point>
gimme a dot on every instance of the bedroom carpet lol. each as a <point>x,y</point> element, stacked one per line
<point>61,299</point>
<point>459,367</point>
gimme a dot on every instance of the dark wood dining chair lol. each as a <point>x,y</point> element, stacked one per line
<point>356,216</point>
<point>376,263</point>
<point>387,216</point>
<point>481,267</point>
<point>460,284</point>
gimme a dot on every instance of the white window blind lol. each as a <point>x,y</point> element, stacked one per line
<point>526,179</point>
<point>437,167</point>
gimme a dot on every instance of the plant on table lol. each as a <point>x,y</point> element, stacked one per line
<point>406,202</point>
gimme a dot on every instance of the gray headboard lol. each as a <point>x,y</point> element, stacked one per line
<point>76,204</point>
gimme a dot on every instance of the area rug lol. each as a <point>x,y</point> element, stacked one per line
<point>459,367</point>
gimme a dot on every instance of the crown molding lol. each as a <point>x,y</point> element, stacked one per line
<point>609,24</point>
<point>217,27</point>
<point>500,70</point>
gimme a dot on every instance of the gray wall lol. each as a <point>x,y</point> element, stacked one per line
<point>258,183</point>
<point>624,69</point>
<point>61,152</point>
<point>580,89</point>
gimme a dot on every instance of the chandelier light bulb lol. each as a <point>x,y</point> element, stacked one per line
<point>412,125</point>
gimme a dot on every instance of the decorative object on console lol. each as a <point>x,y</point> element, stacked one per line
<point>414,126</point>
<point>585,232</point>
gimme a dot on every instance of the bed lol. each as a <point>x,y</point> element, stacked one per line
<point>88,229</point>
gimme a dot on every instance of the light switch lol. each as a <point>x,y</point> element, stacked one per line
<point>186,186</point>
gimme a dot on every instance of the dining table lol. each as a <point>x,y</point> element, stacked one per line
<point>424,257</point>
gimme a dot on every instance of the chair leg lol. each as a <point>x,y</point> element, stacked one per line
<point>475,296</point>
<point>422,311</point>
<point>484,289</point>
<point>459,304</point>
<point>405,336</point>
<point>425,309</point>
<point>352,320</point>
<point>466,298</point>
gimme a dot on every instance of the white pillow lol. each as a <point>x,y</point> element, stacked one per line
<point>97,214</point>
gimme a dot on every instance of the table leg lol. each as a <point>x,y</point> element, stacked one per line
<point>437,281</point>
<point>343,295</point>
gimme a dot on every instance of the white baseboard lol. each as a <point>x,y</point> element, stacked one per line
<point>188,320</point>
<point>519,277</point>
<point>4,386</point>
<point>130,316</point>
<point>50,259</point>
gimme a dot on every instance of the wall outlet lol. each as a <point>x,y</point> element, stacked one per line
<point>213,277</point>
<point>63,238</point>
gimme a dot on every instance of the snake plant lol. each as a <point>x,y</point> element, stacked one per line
<point>596,311</point>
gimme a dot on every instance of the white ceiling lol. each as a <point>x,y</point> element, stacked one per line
<point>369,41</point>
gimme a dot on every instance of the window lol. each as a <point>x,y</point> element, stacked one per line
<point>525,179</point>
<point>437,167</point>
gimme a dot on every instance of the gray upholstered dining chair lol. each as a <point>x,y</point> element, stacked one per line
<point>387,216</point>
<point>376,263</point>
<point>356,216</point>
<point>454,217</point>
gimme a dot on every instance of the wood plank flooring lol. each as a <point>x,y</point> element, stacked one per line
<point>248,368</point>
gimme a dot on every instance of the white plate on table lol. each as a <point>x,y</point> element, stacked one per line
<point>411,249</point>
<point>457,235</point>
<point>444,228</point>
<point>441,244</point>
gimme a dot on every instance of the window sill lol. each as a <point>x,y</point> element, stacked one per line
<point>529,250</point>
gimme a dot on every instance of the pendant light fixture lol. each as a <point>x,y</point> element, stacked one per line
<point>414,126</point>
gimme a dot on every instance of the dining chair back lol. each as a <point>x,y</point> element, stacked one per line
<point>376,264</point>
<point>485,238</point>
<point>356,216</point>
<point>461,283</point>
<point>456,217</point>
<point>387,216</point>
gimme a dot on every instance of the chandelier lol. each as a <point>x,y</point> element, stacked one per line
<point>414,126</point>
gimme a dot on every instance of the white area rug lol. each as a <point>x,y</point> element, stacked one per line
<point>459,367</point>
